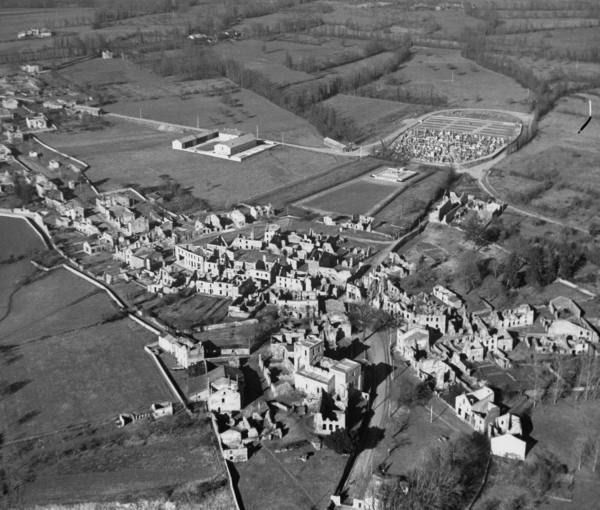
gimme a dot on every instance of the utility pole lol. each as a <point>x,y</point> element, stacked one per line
<point>140,112</point>
<point>257,131</point>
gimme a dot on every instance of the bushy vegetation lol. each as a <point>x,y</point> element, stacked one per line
<point>330,123</point>
<point>448,478</point>
<point>502,58</point>
<point>341,441</point>
<point>545,260</point>
<point>414,393</point>
<point>196,62</point>
<point>175,197</point>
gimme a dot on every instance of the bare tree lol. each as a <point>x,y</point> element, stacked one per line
<point>558,368</point>
<point>537,378</point>
<point>581,447</point>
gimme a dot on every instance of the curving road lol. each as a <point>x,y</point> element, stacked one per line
<point>485,185</point>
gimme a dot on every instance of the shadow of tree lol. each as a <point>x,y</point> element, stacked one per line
<point>27,417</point>
<point>9,354</point>
<point>7,389</point>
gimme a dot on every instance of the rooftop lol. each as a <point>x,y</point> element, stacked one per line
<point>240,140</point>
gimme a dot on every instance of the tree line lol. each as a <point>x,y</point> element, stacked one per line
<point>310,64</point>
<point>196,62</point>
<point>546,91</point>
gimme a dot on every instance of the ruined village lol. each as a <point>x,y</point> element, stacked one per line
<point>253,320</point>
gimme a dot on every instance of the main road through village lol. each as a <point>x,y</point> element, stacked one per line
<point>380,358</point>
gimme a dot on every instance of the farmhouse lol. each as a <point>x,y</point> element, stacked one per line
<point>10,103</point>
<point>38,121</point>
<point>39,33</point>
<point>235,145</point>
<point>31,68</point>
<point>505,433</point>
<point>522,315</point>
<point>447,296</point>
<point>185,351</point>
<point>224,396</point>
<point>190,257</point>
<point>474,407</point>
<point>89,110</point>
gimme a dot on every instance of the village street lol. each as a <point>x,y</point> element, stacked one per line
<point>379,356</point>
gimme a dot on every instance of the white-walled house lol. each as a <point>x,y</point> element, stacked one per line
<point>224,396</point>
<point>474,407</point>
<point>185,351</point>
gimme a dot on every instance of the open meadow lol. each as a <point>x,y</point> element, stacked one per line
<point>356,197</point>
<point>127,153</point>
<point>284,477</point>
<point>174,458</point>
<point>240,109</point>
<point>557,174</point>
<point>304,188</point>
<point>56,18</point>
<point>444,77</point>
<point>18,238</point>
<point>68,357</point>
<point>212,103</point>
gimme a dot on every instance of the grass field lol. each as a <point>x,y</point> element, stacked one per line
<point>172,459</point>
<point>556,428</point>
<point>244,110</point>
<point>411,203</point>
<point>282,196</point>
<point>127,153</point>
<point>18,238</point>
<point>19,242</point>
<point>268,57</point>
<point>557,174</point>
<point>68,358</point>
<point>356,197</point>
<point>135,91</point>
<point>299,484</point>
<point>446,74</point>
<point>196,310</point>
<point>15,20</point>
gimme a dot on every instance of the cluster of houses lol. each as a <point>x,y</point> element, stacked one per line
<point>477,408</point>
<point>359,222</point>
<point>445,357</point>
<point>454,208</point>
<point>27,104</point>
<point>199,37</point>
<point>34,33</point>
<point>284,268</point>
<point>298,356</point>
